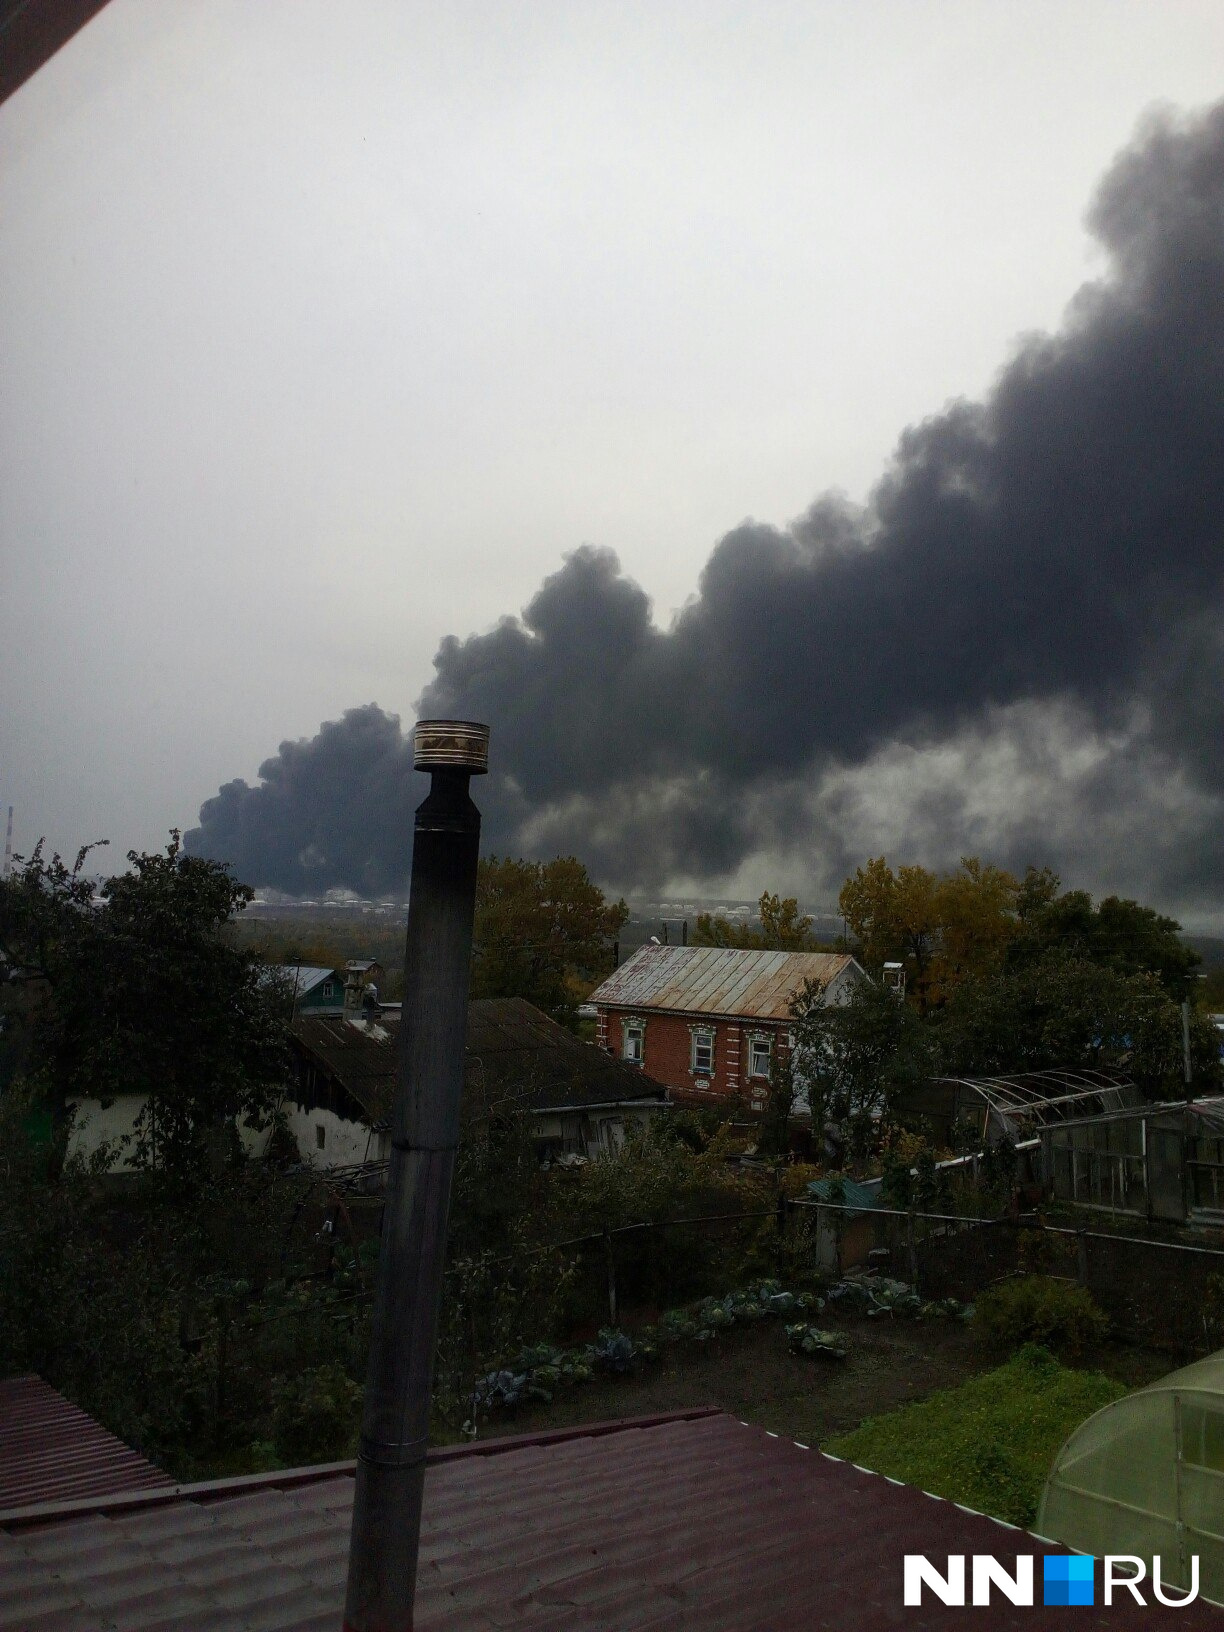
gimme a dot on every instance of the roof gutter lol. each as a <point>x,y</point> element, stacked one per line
<point>601,1105</point>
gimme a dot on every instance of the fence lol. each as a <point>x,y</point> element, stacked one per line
<point>1155,1292</point>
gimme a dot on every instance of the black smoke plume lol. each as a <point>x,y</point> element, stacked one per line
<point>1046,564</point>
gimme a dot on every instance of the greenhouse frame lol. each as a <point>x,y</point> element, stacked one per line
<point>1145,1476</point>
<point>968,1112</point>
<point>1152,1161</point>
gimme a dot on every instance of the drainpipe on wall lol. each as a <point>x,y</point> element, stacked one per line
<point>424,1135</point>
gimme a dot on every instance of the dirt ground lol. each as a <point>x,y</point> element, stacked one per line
<point>751,1373</point>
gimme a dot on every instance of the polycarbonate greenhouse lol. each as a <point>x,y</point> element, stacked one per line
<point>1146,1476</point>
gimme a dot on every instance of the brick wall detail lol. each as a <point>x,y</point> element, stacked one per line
<point>668,1050</point>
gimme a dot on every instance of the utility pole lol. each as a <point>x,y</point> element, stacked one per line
<point>8,844</point>
<point>425,1132</point>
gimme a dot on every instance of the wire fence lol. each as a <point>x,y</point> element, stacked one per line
<point>1164,1293</point>
<point>1159,1292</point>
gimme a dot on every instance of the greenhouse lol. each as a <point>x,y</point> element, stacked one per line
<point>1145,1476</point>
<point>1156,1161</point>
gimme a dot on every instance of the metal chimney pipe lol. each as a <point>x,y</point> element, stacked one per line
<point>425,1132</point>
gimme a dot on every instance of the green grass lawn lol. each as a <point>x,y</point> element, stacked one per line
<point>988,1443</point>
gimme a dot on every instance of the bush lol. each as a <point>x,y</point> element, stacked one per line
<point>1039,1309</point>
<point>316,1416</point>
<point>652,1179</point>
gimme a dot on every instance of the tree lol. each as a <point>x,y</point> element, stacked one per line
<point>855,1059</point>
<point>1062,1010</point>
<point>543,932</point>
<point>783,928</point>
<point>1118,934</point>
<point>945,927</point>
<point>135,988</point>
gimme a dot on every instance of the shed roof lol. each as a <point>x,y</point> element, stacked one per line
<point>694,1521</point>
<point>51,1450</point>
<point>514,1054</point>
<point>718,980</point>
<point>854,1196</point>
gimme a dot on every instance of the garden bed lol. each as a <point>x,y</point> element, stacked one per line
<point>752,1373</point>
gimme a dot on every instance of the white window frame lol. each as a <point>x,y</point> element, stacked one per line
<point>755,1040</point>
<point>701,1035</point>
<point>631,1026</point>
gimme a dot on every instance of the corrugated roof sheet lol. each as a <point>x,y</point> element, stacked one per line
<point>852,1195</point>
<point>704,1524</point>
<point>514,1053</point>
<point>50,1450</point>
<point>717,980</point>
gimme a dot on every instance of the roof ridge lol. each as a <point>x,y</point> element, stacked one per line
<point>209,1490</point>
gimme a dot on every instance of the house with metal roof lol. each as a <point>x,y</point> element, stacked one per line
<point>580,1101</point>
<point>709,1021</point>
<point>318,990</point>
<point>685,1522</point>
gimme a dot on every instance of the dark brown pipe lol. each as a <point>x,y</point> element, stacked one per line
<point>425,1132</point>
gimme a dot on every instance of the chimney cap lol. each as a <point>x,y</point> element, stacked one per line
<point>461,745</point>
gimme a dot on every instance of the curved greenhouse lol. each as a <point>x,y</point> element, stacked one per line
<point>1146,1476</point>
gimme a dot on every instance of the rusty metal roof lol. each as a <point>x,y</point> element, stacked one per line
<point>718,980</point>
<point>694,1523</point>
<point>50,1450</point>
<point>515,1054</point>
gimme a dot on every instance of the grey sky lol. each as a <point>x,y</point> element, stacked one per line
<point>326,331</point>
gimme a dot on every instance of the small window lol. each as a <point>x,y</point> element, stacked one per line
<point>703,1053</point>
<point>635,1043</point>
<point>320,1135</point>
<point>758,1056</point>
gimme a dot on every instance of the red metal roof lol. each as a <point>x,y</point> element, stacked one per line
<point>696,1522</point>
<point>50,1451</point>
<point>32,31</point>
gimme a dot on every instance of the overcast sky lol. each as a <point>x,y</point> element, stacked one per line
<point>327,331</point>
